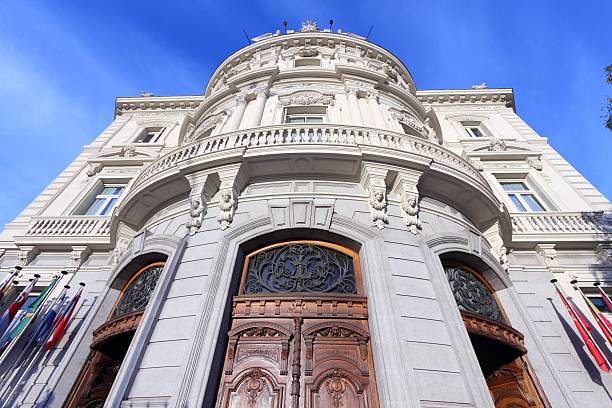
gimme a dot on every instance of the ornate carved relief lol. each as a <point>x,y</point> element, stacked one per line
<point>226,209</point>
<point>202,126</point>
<point>300,268</point>
<point>410,121</point>
<point>471,294</point>
<point>496,145</point>
<point>308,52</point>
<point>378,208</point>
<point>306,98</point>
<point>196,212</point>
<point>410,205</point>
<point>128,151</point>
<point>309,26</point>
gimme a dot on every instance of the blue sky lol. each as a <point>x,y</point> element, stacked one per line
<point>63,63</point>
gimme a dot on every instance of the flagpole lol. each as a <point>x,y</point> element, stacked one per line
<point>602,322</point>
<point>4,377</point>
<point>40,346</point>
<point>584,333</point>
<point>604,295</point>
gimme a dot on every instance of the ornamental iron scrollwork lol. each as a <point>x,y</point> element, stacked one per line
<point>136,295</point>
<point>300,267</point>
<point>471,294</point>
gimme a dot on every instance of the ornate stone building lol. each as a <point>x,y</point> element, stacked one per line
<point>313,231</point>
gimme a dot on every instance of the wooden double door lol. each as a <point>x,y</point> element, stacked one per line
<point>302,348</point>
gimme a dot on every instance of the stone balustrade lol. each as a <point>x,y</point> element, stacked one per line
<point>84,229</point>
<point>313,134</point>
<point>561,224</point>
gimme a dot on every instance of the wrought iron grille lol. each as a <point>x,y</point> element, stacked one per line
<point>300,268</point>
<point>137,295</point>
<point>471,294</point>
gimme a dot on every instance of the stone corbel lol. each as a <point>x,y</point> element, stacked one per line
<point>26,254</point>
<point>203,187</point>
<point>373,181</point>
<point>232,182</point>
<point>93,168</point>
<point>406,189</point>
<point>549,254</point>
<point>603,252</point>
<point>79,255</point>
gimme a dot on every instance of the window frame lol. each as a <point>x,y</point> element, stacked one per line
<point>92,197</point>
<point>305,112</point>
<point>158,132</point>
<point>468,125</point>
<point>518,194</point>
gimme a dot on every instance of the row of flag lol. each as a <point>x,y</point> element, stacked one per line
<point>55,314</point>
<point>585,329</point>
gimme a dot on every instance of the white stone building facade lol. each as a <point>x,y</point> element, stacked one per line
<point>317,139</point>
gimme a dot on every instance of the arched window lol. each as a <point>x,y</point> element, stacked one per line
<point>137,292</point>
<point>300,266</point>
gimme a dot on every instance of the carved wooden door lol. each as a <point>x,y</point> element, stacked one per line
<point>299,334</point>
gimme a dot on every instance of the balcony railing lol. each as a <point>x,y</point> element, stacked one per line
<point>76,226</point>
<point>593,225</point>
<point>310,135</point>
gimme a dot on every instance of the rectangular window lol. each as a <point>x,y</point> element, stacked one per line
<point>523,199</point>
<point>150,135</point>
<point>105,200</point>
<point>599,304</point>
<point>473,131</point>
<point>306,114</point>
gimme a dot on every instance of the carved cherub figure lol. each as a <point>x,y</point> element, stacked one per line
<point>503,257</point>
<point>195,212</point>
<point>378,206</point>
<point>411,206</point>
<point>226,210</point>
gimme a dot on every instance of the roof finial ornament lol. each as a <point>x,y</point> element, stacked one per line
<point>309,26</point>
<point>482,85</point>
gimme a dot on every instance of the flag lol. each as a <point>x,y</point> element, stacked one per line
<point>9,314</point>
<point>45,326</point>
<point>6,282</point>
<point>590,344</point>
<point>24,316</point>
<point>63,321</point>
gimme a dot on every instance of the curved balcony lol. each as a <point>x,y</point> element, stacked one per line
<point>446,175</point>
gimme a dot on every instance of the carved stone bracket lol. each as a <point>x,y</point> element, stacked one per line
<point>373,181</point>
<point>232,182</point>
<point>26,254</point>
<point>203,188</point>
<point>79,254</point>
<point>548,253</point>
<point>93,168</point>
<point>406,189</point>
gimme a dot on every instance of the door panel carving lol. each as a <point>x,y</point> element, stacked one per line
<point>299,349</point>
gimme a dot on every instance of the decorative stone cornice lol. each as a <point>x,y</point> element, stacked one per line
<point>500,96</point>
<point>160,104</point>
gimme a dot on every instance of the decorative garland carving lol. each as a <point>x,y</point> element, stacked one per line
<point>471,294</point>
<point>137,294</point>
<point>306,98</point>
<point>308,52</point>
<point>300,268</point>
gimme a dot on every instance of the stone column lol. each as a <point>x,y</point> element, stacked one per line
<point>354,107</point>
<point>234,121</point>
<point>258,109</point>
<point>375,110</point>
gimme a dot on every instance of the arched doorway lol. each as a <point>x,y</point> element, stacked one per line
<point>499,348</point>
<point>299,331</point>
<point>112,339</point>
